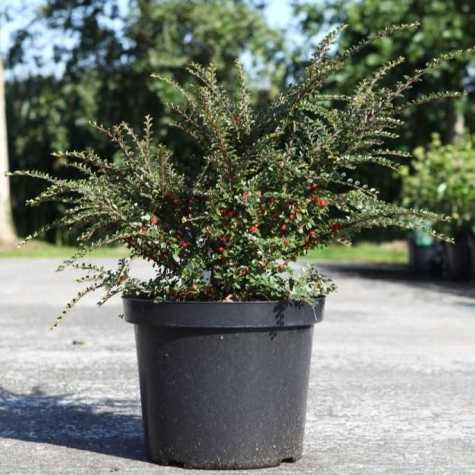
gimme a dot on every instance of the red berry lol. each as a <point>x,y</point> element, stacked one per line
<point>291,216</point>
<point>153,220</point>
<point>253,229</point>
<point>312,234</point>
<point>185,244</point>
<point>322,202</point>
<point>283,228</point>
<point>220,249</point>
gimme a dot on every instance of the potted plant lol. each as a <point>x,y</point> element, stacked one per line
<point>425,253</point>
<point>443,179</point>
<point>224,328</point>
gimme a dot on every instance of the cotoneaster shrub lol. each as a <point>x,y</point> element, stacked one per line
<point>265,186</point>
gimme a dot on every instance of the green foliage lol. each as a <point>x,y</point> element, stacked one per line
<point>266,186</point>
<point>443,180</point>
<point>45,114</point>
<point>104,70</point>
<point>445,25</point>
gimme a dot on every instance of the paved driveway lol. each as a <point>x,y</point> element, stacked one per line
<point>392,384</point>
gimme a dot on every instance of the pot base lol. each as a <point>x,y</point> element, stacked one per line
<point>216,465</point>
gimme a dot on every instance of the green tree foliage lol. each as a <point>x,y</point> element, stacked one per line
<point>444,181</point>
<point>445,25</point>
<point>267,185</point>
<point>104,58</point>
<point>46,114</point>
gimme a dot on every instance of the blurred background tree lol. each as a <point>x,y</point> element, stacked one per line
<point>7,231</point>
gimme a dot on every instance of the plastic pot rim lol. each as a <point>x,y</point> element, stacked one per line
<point>215,314</point>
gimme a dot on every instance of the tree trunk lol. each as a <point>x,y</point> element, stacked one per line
<point>7,232</point>
<point>459,126</point>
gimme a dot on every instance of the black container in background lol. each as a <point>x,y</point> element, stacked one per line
<point>425,254</point>
<point>223,385</point>
<point>459,258</point>
<point>471,245</point>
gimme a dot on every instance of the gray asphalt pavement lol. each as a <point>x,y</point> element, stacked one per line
<point>392,387</point>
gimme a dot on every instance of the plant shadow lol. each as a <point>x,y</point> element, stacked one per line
<point>402,274</point>
<point>66,421</point>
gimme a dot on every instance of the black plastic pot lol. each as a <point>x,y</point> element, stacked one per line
<point>458,258</point>
<point>425,256</point>
<point>223,385</point>
<point>471,245</point>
